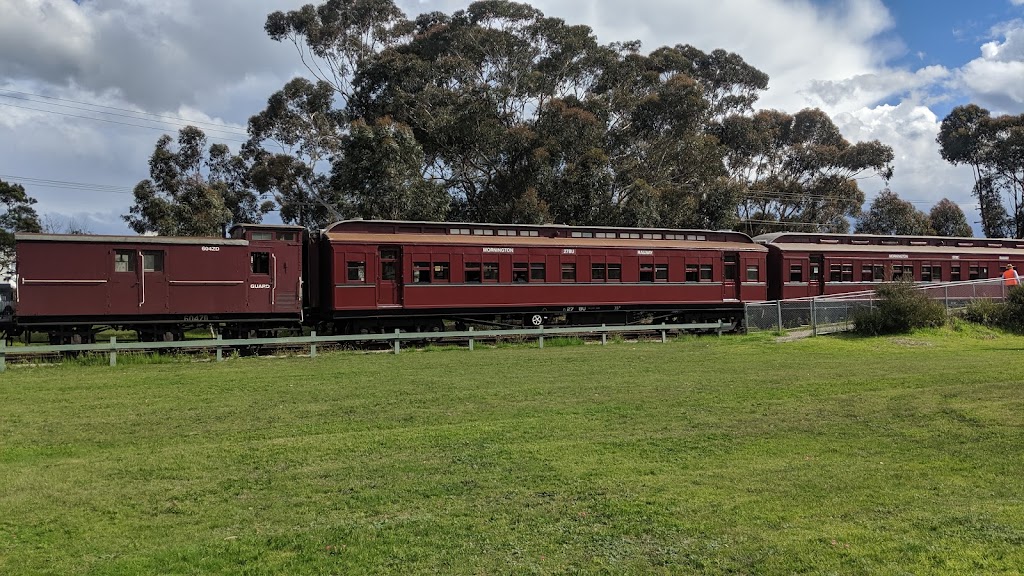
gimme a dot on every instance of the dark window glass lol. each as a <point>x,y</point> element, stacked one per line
<point>153,261</point>
<point>926,273</point>
<point>936,273</point>
<point>692,273</point>
<point>491,271</point>
<point>866,275</point>
<point>537,272</point>
<point>815,273</point>
<point>286,236</point>
<point>647,272</point>
<point>954,273</point>
<point>706,272</point>
<point>615,272</point>
<point>661,271</point>
<point>473,274</point>
<point>729,271</point>
<point>421,272</point>
<point>897,272</point>
<point>520,272</point>
<point>984,272</point>
<point>262,235</point>
<point>597,272</point>
<point>357,271</point>
<point>568,272</point>
<point>441,271</point>
<point>388,270</point>
<point>796,273</point>
<point>388,254</point>
<point>835,273</point>
<point>878,273</point>
<point>124,261</point>
<point>259,262</point>
<point>753,273</point>
<point>847,272</point>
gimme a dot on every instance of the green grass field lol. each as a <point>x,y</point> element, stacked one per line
<point>733,455</point>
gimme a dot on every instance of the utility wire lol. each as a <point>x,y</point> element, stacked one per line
<point>164,129</point>
<point>136,114</point>
<point>65,185</point>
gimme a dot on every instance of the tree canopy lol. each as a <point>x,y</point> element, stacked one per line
<point>891,215</point>
<point>18,215</point>
<point>499,113</point>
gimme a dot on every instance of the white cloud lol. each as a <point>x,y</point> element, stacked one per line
<point>994,79</point>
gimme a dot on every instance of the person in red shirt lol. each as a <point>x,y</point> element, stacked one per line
<point>1010,277</point>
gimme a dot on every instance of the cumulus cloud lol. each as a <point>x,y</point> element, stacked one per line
<point>994,79</point>
<point>154,54</point>
<point>921,174</point>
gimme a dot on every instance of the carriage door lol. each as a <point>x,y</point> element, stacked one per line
<point>389,279</point>
<point>816,276</point>
<point>731,276</point>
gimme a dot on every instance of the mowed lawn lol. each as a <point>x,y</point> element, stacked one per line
<point>732,455</point>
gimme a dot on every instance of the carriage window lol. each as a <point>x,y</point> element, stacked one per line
<point>972,273</point>
<point>568,272</point>
<point>421,272</point>
<point>752,273</point>
<point>879,273</point>
<point>936,273</point>
<point>473,272</point>
<point>537,272</point>
<point>614,272</point>
<point>706,272</point>
<point>153,261</point>
<point>357,271</point>
<point>647,272</point>
<point>847,272</point>
<point>796,273</point>
<point>661,271</point>
<point>926,273</point>
<point>520,272</point>
<point>954,273</point>
<point>258,261</point>
<point>897,272</point>
<point>441,271</point>
<point>866,273</point>
<point>286,236</point>
<point>491,271</point>
<point>691,273</point>
<point>124,261</point>
<point>984,271</point>
<point>597,272</point>
<point>815,273</point>
<point>262,235</point>
<point>835,273</point>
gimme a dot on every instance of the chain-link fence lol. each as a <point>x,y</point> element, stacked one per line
<point>835,313</point>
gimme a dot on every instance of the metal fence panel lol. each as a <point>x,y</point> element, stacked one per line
<point>835,313</point>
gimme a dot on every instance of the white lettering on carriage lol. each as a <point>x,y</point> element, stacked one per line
<point>499,250</point>
<point>898,256</point>
<point>259,286</point>
<point>211,248</point>
<point>645,252</point>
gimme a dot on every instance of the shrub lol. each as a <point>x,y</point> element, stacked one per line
<point>1012,317</point>
<point>984,312</point>
<point>899,309</point>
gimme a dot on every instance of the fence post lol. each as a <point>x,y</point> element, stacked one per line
<point>470,339</point>
<point>814,319</point>
<point>604,336</point>
<point>945,297</point>
<point>312,345</point>
<point>540,340</point>
<point>718,330</point>
<point>113,351</point>
<point>398,343</point>
<point>3,355</point>
<point>778,304</point>
<point>664,337</point>
<point>220,349</point>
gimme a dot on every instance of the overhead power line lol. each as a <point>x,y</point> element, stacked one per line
<point>66,185</point>
<point>134,114</point>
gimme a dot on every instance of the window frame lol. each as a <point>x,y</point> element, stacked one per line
<point>129,262</point>
<point>357,266</point>
<point>159,257</point>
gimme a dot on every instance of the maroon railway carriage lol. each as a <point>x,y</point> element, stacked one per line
<point>808,264</point>
<point>72,285</point>
<point>384,272</point>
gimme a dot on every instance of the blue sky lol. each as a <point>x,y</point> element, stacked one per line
<point>882,69</point>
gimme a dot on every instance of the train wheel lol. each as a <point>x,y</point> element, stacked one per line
<point>537,320</point>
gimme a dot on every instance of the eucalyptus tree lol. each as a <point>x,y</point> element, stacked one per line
<point>193,190</point>
<point>947,219</point>
<point>889,214</point>
<point>18,215</point>
<point>799,170</point>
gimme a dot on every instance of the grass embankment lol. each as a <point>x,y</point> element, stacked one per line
<point>732,455</point>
